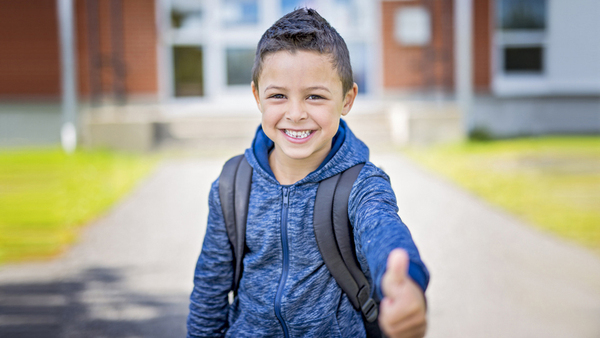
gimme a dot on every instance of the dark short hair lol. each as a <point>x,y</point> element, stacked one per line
<point>304,29</point>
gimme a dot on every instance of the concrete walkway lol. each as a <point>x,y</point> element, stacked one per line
<point>131,273</point>
<point>493,276</point>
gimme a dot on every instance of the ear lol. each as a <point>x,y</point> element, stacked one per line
<point>349,99</point>
<point>256,95</point>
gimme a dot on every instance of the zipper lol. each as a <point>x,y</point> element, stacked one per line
<point>286,261</point>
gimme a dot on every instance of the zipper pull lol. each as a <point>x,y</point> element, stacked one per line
<point>285,196</point>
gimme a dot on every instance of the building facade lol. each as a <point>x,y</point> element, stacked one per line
<point>207,47</point>
<point>535,66</point>
<point>534,61</point>
<point>115,40</point>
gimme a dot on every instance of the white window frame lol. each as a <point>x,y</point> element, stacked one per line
<point>216,38</point>
<point>518,83</point>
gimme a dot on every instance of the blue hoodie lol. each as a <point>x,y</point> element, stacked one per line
<point>286,290</point>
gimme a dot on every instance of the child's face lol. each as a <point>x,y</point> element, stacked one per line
<point>301,100</point>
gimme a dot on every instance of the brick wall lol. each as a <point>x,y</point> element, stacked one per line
<point>482,30</point>
<point>432,67</point>
<point>419,67</point>
<point>29,51</point>
<point>139,47</point>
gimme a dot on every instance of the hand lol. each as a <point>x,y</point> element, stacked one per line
<point>402,310</point>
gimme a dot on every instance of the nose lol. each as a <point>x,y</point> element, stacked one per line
<point>296,111</point>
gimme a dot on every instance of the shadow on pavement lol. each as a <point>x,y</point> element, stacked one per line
<point>94,304</point>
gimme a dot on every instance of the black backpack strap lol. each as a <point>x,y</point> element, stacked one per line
<point>335,239</point>
<point>234,191</point>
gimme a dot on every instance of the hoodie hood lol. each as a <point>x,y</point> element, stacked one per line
<point>346,151</point>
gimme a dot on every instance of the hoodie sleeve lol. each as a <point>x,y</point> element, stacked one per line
<point>213,276</point>
<point>378,229</point>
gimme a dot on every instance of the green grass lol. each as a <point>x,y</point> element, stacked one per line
<point>550,182</point>
<point>46,196</point>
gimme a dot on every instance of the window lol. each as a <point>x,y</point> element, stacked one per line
<point>358,59</point>
<point>412,26</point>
<point>521,33</point>
<point>186,15</point>
<point>187,65</point>
<point>521,14</point>
<point>523,59</point>
<point>239,66</point>
<point>289,5</point>
<point>240,12</point>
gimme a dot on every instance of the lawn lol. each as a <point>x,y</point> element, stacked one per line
<point>46,196</point>
<point>550,182</point>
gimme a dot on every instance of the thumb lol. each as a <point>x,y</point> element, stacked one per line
<point>396,272</point>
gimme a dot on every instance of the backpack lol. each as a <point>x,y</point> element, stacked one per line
<point>330,222</point>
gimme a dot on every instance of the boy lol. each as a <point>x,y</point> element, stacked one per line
<point>302,83</point>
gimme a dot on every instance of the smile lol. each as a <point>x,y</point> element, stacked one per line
<point>298,134</point>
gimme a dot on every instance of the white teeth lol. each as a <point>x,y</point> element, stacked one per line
<point>298,134</point>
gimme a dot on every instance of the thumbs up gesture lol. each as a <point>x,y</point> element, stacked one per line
<point>402,310</point>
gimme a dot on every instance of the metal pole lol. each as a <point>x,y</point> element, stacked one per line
<point>68,133</point>
<point>118,60</point>
<point>463,34</point>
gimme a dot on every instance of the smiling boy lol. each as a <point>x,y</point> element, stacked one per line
<point>302,83</point>
<point>301,100</point>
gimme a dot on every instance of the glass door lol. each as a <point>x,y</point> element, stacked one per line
<point>188,71</point>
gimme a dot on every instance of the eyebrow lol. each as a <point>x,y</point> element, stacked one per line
<point>319,88</point>
<point>274,87</point>
<point>309,88</point>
